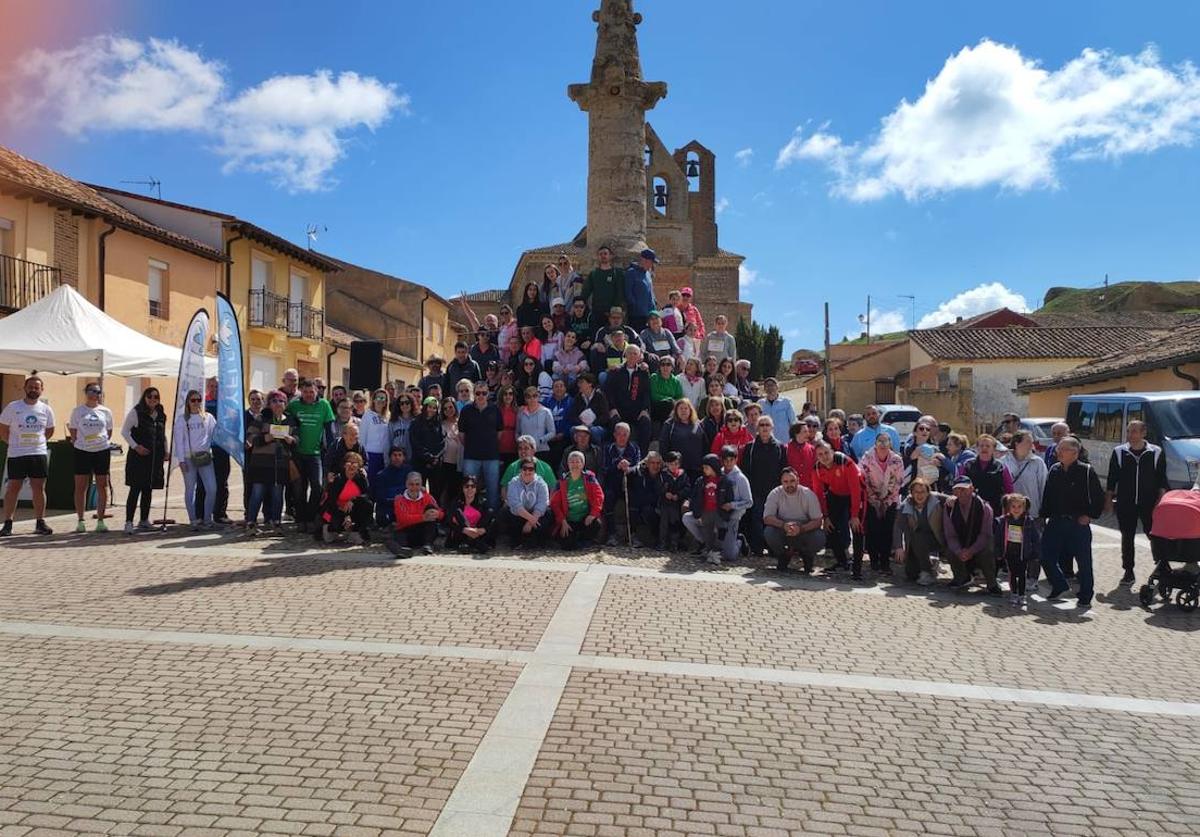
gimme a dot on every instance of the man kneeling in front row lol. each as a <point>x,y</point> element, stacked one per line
<point>792,522</point>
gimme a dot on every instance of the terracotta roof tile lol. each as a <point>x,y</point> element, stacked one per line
<point>22,174</point>
<point>1023,342</point>
<point>1155,350</point>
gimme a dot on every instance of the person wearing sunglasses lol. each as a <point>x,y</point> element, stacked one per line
<point>145,433</point>
<point>192,452</point>
<point>526,515</point>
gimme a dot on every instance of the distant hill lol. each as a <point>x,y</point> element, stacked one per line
<point>1173,297</point>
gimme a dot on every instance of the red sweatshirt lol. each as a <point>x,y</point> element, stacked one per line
<point>412,512</point>
<point>739,439</point>
<point>843,479</point>
<point>803,458</point>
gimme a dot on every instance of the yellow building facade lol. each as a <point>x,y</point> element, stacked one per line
<point>56,230</point>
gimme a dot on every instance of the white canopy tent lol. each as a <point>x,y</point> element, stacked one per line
<point>64,334</point>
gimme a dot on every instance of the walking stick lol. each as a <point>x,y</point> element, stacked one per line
<point>628,519</point>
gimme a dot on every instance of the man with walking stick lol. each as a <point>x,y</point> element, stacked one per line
<point>620,457</point>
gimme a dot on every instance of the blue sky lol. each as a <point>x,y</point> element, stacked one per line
<point>1050,149</point>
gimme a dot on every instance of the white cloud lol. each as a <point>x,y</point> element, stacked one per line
<point>746,276</point>
<point>113,83</point>
<point>722,204</point>
<point>295,127</point>
<point>977,300</point>
<point>991,116</point>
<point>744,157</point>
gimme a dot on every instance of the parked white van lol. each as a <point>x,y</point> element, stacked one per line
<point>1172,421</point>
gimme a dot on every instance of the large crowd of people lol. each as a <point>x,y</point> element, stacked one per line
<point>589,415</point>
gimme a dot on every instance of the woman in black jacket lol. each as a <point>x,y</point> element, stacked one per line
<point>145,431</point>
<point>683,434</point>
<point>346,503</point>
<point>529,312</point>
<point>472,526</point>
<point>272,435</point>
<point>428,439</point>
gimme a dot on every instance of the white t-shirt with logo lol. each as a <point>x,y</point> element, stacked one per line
<point>27,425</point>
<point>93,427</point>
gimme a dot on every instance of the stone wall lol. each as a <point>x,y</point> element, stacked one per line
<point>66,246</point>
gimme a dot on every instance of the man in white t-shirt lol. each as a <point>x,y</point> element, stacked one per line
<point>25,425</point>
<point>91,427</point>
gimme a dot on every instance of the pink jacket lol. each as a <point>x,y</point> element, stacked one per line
<point>883,479</point>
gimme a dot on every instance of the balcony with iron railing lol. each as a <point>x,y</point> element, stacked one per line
<point>306,322</point>
<point>23,282</point>
<point>269,310</point>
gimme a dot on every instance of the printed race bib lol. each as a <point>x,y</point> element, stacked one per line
<point>614,362</point>
<point>30,439</point>
<point>661,345</point>
<point>716,346</point>
<point>1016,534</point>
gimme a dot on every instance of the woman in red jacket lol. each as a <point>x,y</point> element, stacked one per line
<point>417,514</point>
<point>839,486</point>
<point>346,503</point>
<point>577,504</point>
<point>801,455</point>
<point>733,433</point>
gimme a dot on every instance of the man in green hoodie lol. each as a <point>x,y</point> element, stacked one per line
<point>604,288</point>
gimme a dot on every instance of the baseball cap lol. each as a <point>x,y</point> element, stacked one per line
<point>558,300</point>
<point>649,254</point>
<point>686,291</point>
<point>963,482</point>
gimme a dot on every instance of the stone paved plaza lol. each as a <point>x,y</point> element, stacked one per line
<point>209,684</point>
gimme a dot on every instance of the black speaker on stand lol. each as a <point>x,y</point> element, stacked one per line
<point>366,365</point>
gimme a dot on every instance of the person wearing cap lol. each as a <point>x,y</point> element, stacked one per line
<point>639,288</point>
<point>691,314</point>
<point>603,338</point>
<point>702,511</point>
<point>483,352</point>
<point>604,287</point>
<point>581,441</point>
<point>967,527</point>
<point>462,367</point>
<point>90,427</point>
<point>558,314</point>
<point>657,341</point>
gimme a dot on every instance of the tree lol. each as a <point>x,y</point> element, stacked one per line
<point>772,350</point>
<point>762,347</point>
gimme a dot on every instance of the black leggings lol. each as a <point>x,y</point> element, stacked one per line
<point>132,502</point>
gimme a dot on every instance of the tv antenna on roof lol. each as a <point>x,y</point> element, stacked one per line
<point>312,231</point>
<point>153,182</point>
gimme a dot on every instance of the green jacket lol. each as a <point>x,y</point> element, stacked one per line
<point>663,388</point>
<point>603,289</point>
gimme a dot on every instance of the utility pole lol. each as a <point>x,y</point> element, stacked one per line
<point>868,319</point>
<point>913,299</point>
<point>830,403</point>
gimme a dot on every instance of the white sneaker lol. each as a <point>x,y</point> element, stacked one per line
<point>327,534</point>
<point>129,528</point>
<point>355,538</point>
<point>714,557</point>
<point>925,579</point>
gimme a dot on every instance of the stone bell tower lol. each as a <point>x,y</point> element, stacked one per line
<point>616,100</point>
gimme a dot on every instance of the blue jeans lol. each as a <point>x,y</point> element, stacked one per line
<point>312,482</point>
<point>193,476</point>
<point>267,497</point>
<point>489,471</point>
<point>1066,536</point>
